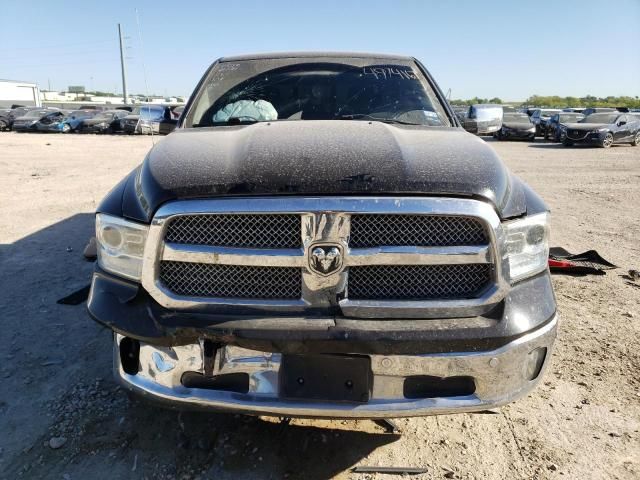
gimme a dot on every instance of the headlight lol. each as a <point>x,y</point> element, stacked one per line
<point>532,129</point>
<point>120,245</point>
<point>526,246</point>
<point>599,130</point>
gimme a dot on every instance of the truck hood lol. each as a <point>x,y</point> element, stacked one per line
<point>587,127</point>
<point>323,158</point>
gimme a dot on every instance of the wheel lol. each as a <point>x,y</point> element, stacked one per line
<point>3,125</point>
<point>636,140</point>
<point>66,128</point>
<point>607,141</point>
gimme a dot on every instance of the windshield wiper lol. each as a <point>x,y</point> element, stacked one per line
<point>366,116</point>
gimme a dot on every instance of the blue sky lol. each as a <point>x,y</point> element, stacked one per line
<point>499,48</point>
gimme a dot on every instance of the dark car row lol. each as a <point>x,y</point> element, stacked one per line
<point>596,126</point>
<point>144,119</point>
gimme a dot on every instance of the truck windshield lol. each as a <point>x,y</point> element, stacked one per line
<point>35,113</point>
<point>517,117</point>
<point>148,113</point>
<point>305,89</point>
<point>482,113</point>
<point>570,117</point>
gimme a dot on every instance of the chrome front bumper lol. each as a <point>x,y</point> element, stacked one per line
<point>500,377</point>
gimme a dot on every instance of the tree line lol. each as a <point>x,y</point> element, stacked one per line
<point>555,101</point>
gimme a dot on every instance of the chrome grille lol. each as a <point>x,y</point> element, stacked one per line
<point>237,230</point>
<point>402,257</point>
<point>418,282</point>
<point>577,134</point>
<point>231,281</point>
<point>415,230</point>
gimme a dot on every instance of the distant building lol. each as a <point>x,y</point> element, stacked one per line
<point>68,97</point>
<point>13,92</point>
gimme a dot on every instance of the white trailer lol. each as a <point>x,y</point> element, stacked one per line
<point>13,92</point>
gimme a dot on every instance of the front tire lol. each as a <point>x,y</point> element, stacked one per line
<point>3,125</point>
<point>636,140</point>
<point>66,128</point>
<point>607,141</point>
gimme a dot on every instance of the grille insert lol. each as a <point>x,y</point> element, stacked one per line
<point>374,230</point>
<point>418,282</point>
<point>237,230</point>
<point>231,281</point>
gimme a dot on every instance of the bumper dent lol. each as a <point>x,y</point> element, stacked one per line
<point>500,375</point>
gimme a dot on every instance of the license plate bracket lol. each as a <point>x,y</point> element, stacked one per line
<point>341,378</point>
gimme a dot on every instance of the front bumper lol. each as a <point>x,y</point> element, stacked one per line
<point>500,376</point>
<point>55,127</point>
<point>21,127</point>
<point>587,138</point>
<point>97,128</point>
<point>517,134</point>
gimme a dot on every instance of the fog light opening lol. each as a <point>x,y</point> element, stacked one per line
<point>130,355</point>
<point>535,362</point>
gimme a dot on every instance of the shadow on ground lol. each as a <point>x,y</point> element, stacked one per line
<point>58,383</point>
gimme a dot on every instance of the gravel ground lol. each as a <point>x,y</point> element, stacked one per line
<point>62,416</point>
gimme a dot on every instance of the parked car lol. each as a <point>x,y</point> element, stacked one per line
<point>157,119</point>
<point>109,121</point>
<point>64,121</point>
<point>483,119</point>
<point>516,126</point>
<point>28,121</point>
<point>604,130</point>
<point>8,117</point>
<point>556,125</point>
<point>540,117</point>
<point>319,238</point>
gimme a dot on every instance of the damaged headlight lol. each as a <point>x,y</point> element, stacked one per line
<point>120,244</point>
<point>526,244</point>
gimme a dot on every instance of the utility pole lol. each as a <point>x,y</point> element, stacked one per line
<point>124,71</point>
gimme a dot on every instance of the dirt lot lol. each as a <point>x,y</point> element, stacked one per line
<point>583,421</point>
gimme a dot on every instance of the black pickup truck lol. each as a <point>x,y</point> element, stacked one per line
<point>319,237</point>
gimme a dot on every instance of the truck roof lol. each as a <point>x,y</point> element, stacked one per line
<point>268,56</point>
